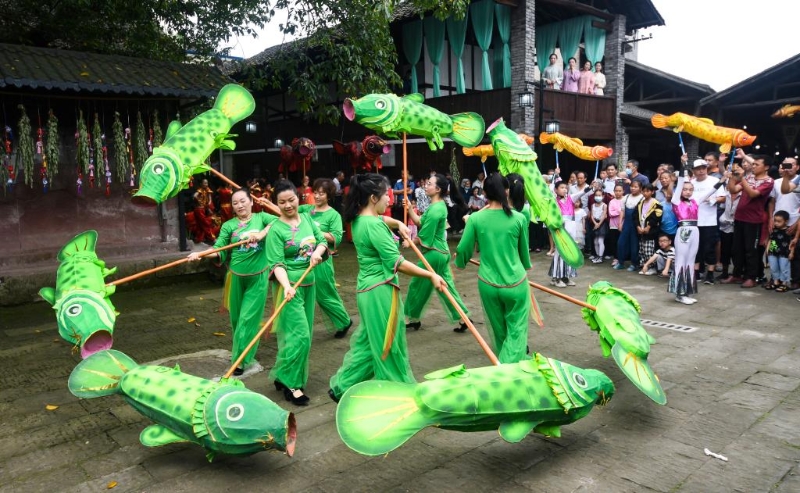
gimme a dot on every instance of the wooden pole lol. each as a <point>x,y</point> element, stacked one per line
<point>464,317</point>
<point>405,184</point>
<point>261,201</point>
<point>551,291</point>
<point>147,272</point>
<point>265,326</point>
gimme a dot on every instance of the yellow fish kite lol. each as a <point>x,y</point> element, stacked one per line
<point>704,129</point>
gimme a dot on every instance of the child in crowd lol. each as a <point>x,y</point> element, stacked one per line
<point>628,244</point>
<point>614,219</point>
<point>726,231</point>
<point>780,254</point>
<point>661,261</point>
<point>687,239</point>
<point>580,227</point>
<point>648,222</point>
<point>600,225</point>
<point>560,272</point>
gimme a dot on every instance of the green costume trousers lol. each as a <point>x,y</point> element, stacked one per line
<point>328,296</point>
<point>379,308</point>
<point>507,310</point>
<point>293,328</point>
<point>246,300</point>
<point>420,289</point>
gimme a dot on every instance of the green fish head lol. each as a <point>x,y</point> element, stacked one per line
<point>86,319</point>
<point>496,128</point>
<point>583,387</point>
<point>374,111</point>
<point>596,290</point>
<point>239,418</point>
<point>161,177</point>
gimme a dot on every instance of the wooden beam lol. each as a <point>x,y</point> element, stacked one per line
<point>579,7</point>
<point>510,3</point>
<point>605,26</point>
<point>661,101</point>
<point>758,104</point>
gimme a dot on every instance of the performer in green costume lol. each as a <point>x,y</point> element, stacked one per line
<point>378,347</point>
<point>329,221</point>
<point>294,243</point>
<point>248,266</point>
<point>432,239</point>
<point>501,235</point>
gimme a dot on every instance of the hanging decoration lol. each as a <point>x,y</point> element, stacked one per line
<point>25,146</point>
<point>454,171</point>
<point>158,135</point>
<point>40,155</point>
<point>82,150</point>
<point>97,145</point>
<point>130,167</point>
<point>9,167</point>
<point>141,151</point>
<point>120,149</point>
<point>105,164</point>
<point>362,155</point>
<point>52,146</point>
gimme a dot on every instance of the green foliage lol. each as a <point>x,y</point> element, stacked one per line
<point>25,146</point>
<point>120,150</point>
<point>140,143</point>
<point>51,146</point>
<point>82,146</point>
<point>158,135</point>
<point>97,143</point>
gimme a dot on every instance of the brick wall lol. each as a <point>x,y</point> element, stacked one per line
<point>614,67</point>
<point>523,46</point>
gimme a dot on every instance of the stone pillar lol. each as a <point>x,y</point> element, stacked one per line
<point>614,67</point>
<point>523,45</point>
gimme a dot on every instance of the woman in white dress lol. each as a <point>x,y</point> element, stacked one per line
<point>599,79</point>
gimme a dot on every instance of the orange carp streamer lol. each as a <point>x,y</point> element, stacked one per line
<point>704,129</point>
<point>787,111</point>
<point>574,146</point>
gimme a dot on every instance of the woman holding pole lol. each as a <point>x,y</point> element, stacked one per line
<point>248,268</point>
<point>378,347</point>
<point>432,239</point>
<point>294,242</point>
<point>330,223</point>
<point>502,235</point>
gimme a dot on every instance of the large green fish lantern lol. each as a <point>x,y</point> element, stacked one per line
<point>185,149</point>
<point>616,320</point>
<point>514,155</point>
<point>222,417</point>
<point>392,115</point>
<point>84,312</point>
<point>539,394</point>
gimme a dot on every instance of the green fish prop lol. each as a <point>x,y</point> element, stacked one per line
<point>514,155</point>
<point>84,312</point>
<point>185,149</point>
<point>393,115</point>
<point>222,417</point>
<point>621,334</point>
<point>539,394</point>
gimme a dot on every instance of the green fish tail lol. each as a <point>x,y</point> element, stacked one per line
<point>99,374</point>
<point>567,247</point>
<point>235,102</point>
<point>376,417</point>
<point>83,242</point>
<point>468,129</point>
<point>639,373</point>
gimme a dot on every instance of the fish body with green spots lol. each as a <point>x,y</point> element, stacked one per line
<point>539,394</point>
<point>514,155</point>
<point>616,320</point>
<point>392,116</point>
<point>186,148</point>
<point>84,313</point>
<point>222,417</point>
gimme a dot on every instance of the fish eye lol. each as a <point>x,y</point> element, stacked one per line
<point>380,104</point>
<point>74,310</point>
<point>158,168</point>
<point>579,380</point>
<point>235,412</point>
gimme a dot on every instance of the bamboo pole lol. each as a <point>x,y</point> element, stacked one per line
<point>147,272</point>
<point>265,326</point>
<point>551,291</point>
<point>464,317</point>
<point>261,201</point>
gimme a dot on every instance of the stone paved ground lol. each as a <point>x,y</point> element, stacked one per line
<point>732,387</point>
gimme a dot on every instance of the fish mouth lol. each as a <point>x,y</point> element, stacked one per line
<point>99,341</point>
<point>291,434</point>
<point>349,109</point>
<point>496,122</point>
<point>143,200</point>
<point>387,149</point>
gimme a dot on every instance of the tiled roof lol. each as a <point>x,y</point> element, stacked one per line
<point>52,69</point>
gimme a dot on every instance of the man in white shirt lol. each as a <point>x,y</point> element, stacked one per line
<point>784,199</point>
<point>611,180</point>
<point>707,194</point>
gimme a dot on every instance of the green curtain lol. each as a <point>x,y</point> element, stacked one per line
<point>594,39</point>
<point>546,39</point>
<point>457,33</point>
<point>497,61</point>
<point>412,48</point>
<point>569,38</point>
<point>482,24</point>
<point>503,14</point>
<point>434,41</point>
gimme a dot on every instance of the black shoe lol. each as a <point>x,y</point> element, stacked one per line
<point>301,400</point>
<point>238,371</point>
<point>332,396</point>
<point>339,334</point>
<point>462,327</point>
<point>413,325</point>
<point>279,386</point>
<point>709,278</point>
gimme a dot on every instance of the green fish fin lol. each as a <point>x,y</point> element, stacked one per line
<point>108,272</point>
<point>158,435</point>
<point>515,431</point>
<point>172,129</point>
<point>210,454</point>
<point>109,290</point>
<point>49,295</point>
<point>567,247</point>
<point>235,102</point>
<point>416,97</point>
<point>222,140</point>
<point>639,372</point>
<point>375,417</point>
<point>468,129</point>
<point>99,374</point>
<point>84,242</point>
<point>604,346</point>
<point>549,430</point>
<point>454,371</point>
<point>227,145</point>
